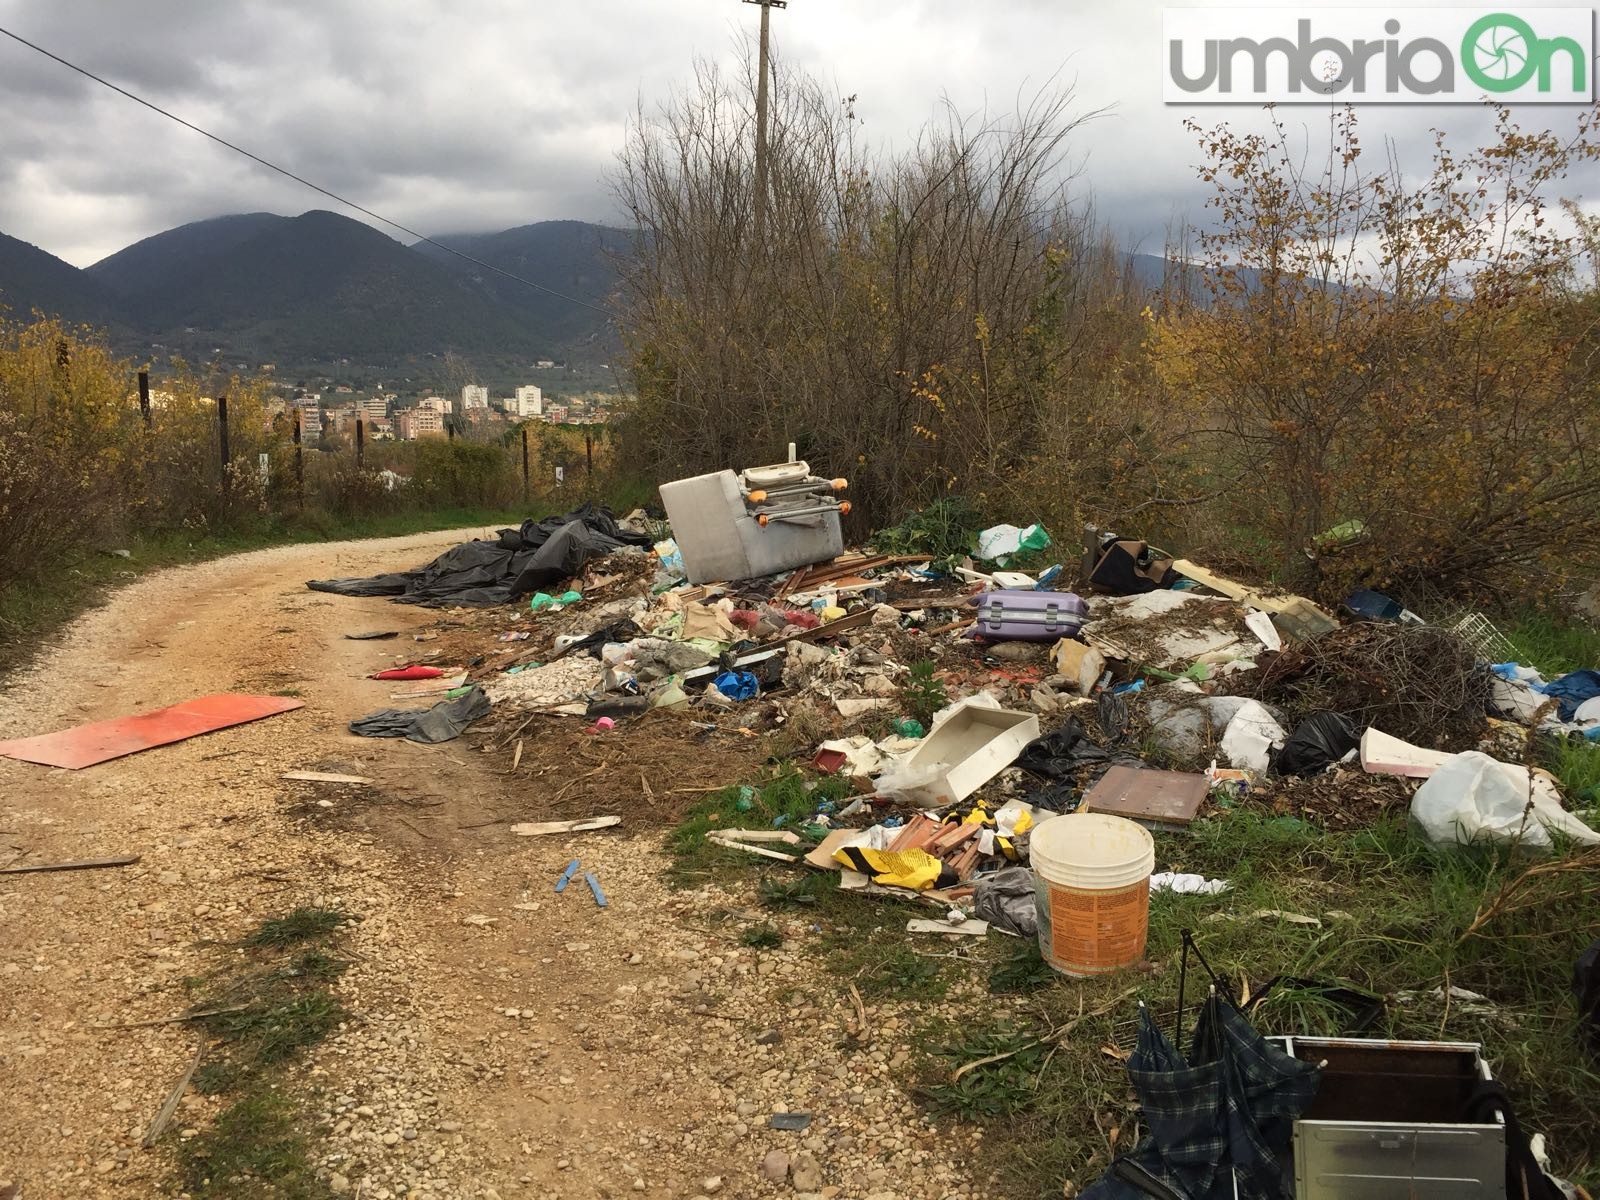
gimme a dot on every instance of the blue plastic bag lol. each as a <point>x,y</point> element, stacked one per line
<point>737,685</point>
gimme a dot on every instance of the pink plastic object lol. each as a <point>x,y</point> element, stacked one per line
<point>604,725</point>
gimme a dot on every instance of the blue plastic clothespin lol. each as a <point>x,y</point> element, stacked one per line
<point>594,886</point>
<point>566,876</point>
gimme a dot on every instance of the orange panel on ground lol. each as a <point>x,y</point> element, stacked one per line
<point>86,745</point>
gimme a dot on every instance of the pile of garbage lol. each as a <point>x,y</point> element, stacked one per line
<point>965,700</point>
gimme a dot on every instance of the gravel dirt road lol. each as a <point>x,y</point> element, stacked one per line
<point>502,1041</point>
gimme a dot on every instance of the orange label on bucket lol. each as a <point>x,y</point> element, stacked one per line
<point>1093,932</point>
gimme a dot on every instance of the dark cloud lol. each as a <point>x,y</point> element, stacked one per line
<point>468,115</point>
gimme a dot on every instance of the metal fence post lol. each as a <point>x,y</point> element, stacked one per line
<point>144,397</point>
<point>524,462</point>
<point>361,442</point>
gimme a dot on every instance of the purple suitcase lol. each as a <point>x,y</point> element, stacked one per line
<point>1018,616</point>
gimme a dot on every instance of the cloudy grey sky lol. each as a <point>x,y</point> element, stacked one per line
<point>458,115</point>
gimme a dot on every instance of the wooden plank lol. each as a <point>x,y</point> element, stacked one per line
<point>163,1117</point>
<point>730,844</point>
<point>586,825</point>
<point>82,864</point>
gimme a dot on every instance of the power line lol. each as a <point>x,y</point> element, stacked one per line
<point>271,166</point>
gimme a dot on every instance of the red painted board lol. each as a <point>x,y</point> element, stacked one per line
<point>101,741</point>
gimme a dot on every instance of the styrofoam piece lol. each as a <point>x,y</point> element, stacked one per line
<point>1382,754</point>
<point>1261,625</point>
<point>962,753</point>
<point>1248,740</point>
<point>720,539</point>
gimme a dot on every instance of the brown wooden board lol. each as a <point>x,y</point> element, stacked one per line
<point>1160,799</point>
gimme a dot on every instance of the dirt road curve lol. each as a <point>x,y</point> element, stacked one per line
<point>502,1040</point>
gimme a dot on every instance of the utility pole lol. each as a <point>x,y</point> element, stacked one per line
<point>761,118</point>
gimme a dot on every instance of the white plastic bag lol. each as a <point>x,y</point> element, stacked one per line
<point>1472,797</point>
<point>1247,742</point>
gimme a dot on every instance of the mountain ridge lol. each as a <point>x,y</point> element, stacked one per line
<point>321,288</point>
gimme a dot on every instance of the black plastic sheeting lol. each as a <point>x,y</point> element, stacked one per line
<point>1317,742</point>
<point>478,574</point>
<point>443,722</point>
<point>1069,761</point>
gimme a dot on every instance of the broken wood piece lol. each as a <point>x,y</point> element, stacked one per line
<point>586,825</point>
<point>197,1015</point>
<point>83,864</point>
<point>787,836</point>
<point>169,1106</point>
<point>951,836</point>
<point>323,777</point>
<point>972,926</point>
<point>729,844</point>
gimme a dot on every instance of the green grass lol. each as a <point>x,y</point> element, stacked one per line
<point>761,937</point>
<point>996,1089</point>
<point>31,610</point>
<point>782,799</point>
<point>274,1003</point>
<point>1555,647</point>
<point>1577,765</point>
<point>258,1148</point>
<point>301,925</point>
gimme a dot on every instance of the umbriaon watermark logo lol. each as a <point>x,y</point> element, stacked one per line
<point>1378,56</point>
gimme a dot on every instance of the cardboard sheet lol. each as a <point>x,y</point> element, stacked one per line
<point>101,741</point>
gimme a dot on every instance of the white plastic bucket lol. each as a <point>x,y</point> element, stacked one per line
<point>1091,874</point>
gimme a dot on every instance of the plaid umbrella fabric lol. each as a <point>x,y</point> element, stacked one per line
<point>1217,1128</point>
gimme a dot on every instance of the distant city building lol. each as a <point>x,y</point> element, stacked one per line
<point>310,421</point>
<point>375,408</point>
<point>474,395</point>
<point>419,422</point>
<point>436,404</point>
<point>528,402</point>
<point>544,364</point>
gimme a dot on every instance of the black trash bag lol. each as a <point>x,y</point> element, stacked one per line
<point>591,643</point>
<point>1320,740</point>
<point>443,722</point>
<point>518,562</point>
<point>1112,711</point>
<point>1067,752</point>
<point>1586,984</point>
<point>1007,899</point>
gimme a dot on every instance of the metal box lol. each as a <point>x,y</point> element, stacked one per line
<point>1386,1123</point>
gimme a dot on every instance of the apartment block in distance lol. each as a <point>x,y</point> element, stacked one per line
<point>419,422</point>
